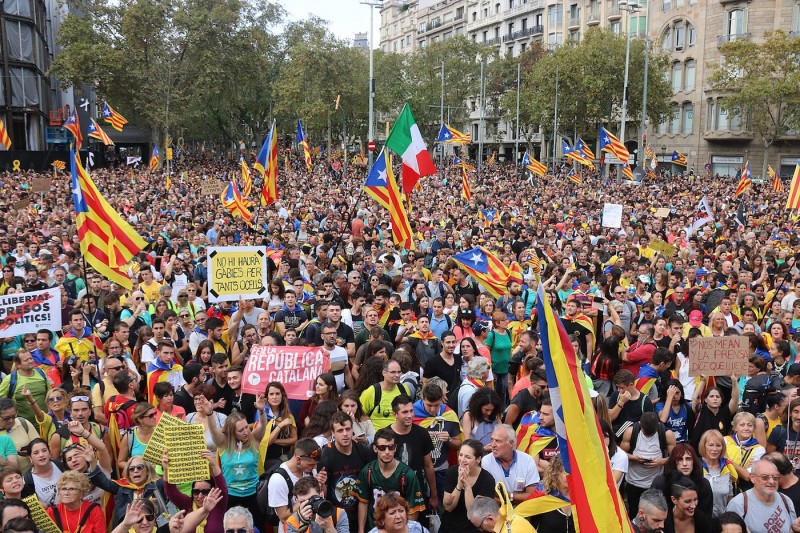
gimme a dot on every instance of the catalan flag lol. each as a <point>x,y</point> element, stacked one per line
<point>574,177</point>
<point>678,158</point>
<point>116,120</point>
<point>466,193</point>
<point>648,152</point>
<point>745,181</point>
<point>154,158</point>
<point>593,493</point>
<point>267,166</point>
<point>533,165</point>
<point>5,140</point>
<point>627,172</point>
<point>612,145</point>
<point>382,186</point>
<point>777,184</point>
<point>303,141</point>
<point>96,132</point>
<point>532,438</point>
<point>571,153</point>
<point>646,379</point>
<point>793,201</point>
<point>584,149</point>
<point>247,180</point>
<point>232,200</point>
<point>60,165</point>
<point>74,127</point>
<point>450,135</point>
<point>488,215</point>
<point>107,241</point>
<point>457,162</point>
<point>487,269</point>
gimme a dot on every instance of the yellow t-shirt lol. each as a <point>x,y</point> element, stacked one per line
<point>151,292</point>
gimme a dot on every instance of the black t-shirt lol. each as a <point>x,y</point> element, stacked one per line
<point>438,367</point>
<point>343,473</point>
<point>526,403</point>
<point>185,400</point>
<point>456,521</point>
<point>292,319</point>
<point>344,336</point>
<point>243,403</point>
<point>223,393</point>
<point>793,493</point>
<point>471,288</point>
<point>707,420</point>
<point>631,411</point>
<point>412,449</point>
<point>554,520</point>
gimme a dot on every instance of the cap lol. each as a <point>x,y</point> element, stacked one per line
<point>584,279</point>
<point>479,327</point>
<point>695,318</point>
<point>701,272</point>
<point>794,370</point>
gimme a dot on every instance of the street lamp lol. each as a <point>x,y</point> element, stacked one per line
<point>371,132</point>
<point>630,7</point>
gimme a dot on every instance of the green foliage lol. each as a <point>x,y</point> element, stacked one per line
<point>761,82</point>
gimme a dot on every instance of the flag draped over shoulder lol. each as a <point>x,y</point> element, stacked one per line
<point>425,420</point>
<point>303,142</point>
<point>107,241</point>
<point>382,186</point>
<point>96,132</point>
<point>593,492</point>
<point>793,201</point>
<point>745,181</point>
<point>406,141</point>
<point>267,165</point>
<point>533,165</point>
<point>678,158</point>
<point>232,200</point>
<point>116,120</point>
<point>488,270</point>
<point>450,135</point>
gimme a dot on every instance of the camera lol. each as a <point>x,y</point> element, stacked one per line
<point>321,506</point>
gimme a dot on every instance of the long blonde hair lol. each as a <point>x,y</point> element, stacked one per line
<point>229,430</point>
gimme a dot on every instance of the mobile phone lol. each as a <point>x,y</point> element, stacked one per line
<point>597,303</point>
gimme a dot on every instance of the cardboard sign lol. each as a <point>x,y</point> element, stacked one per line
<point>662,247</point>
<point>612,216</point>
<point>296,368</point>
<point>40,184</point>
<point>29,312</point>
<point>40,516</point>
<point>154,450</point>
<point>22,204</point>
<point>212,188</point>
<point>718,356</point>
<point>186,443</point>
<point>663,212</point>
<point>235,271</point>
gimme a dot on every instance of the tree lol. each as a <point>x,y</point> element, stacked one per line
<point>761,84</point>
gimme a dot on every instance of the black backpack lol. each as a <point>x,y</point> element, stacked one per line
<point>262,492</point>
<point>756,390</point>
<point>379,393</point>
<point>662,437</point>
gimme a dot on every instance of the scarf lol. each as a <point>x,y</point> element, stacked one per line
<point>478,383</point>
<point>725,465</point>
<point>749,443</point>
<point>125,483</point>
<point>418,335</point>
<point>158,364</point>
<point>41,359</point>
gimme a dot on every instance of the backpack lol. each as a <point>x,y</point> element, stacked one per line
<point>14,376</point>
<point>379,393</point>
<point>84,518</point>
<point>262,492</point>
<point>756,390</point>
<point>120,411</point>
<point>662,437</point>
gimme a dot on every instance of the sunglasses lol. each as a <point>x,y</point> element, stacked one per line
<point>183,316</point>
<point>52,399</point>
<point>79,399</point>
<point>151,415</point>
<point>149,517</point>
<point>384,447</point>
<point>138,298</point>
<point>30,340</point>
<point>114,368</point>
<point>313,455</point>
<point>239,530</point>
<point>197,492</point>
<point>136,468</point>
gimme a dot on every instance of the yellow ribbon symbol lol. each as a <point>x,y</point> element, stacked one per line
<point>16,166</point>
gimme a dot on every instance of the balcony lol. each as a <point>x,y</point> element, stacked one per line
<point>492,41</point>
<point>722,39</point>
<point>614,13</point>
<point>432,25</point>
<point>458,16</point>
<point>728,136</point>
<point>522,34</point>
<point>536,30</point>
<point>573,23</point>
<point>529,6</point>
<point>593,18</point>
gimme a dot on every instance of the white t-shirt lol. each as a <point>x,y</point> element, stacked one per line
<point>522,468</point>
<point>339,359</point>
<point>279,491</point>
<point>46,487</point>
<point>619,462</point>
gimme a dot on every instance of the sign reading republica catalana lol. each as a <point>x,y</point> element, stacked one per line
<point>235,271</point>
<point>295,367</point>
<point>30,311</point>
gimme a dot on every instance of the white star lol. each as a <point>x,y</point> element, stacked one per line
<point>476,258</point>
<point>239,470</point>
<point>382,175</point>
<point>77,192</point>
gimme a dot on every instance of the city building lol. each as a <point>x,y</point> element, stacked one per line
<point>690,31</point>
<point>361,40</point>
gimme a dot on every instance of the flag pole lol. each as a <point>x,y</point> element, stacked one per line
<point>441,121</point>
<point>516,136</point>
<point>91,325</point>
<point>555,124</point>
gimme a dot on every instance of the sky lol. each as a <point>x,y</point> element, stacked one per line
<point>346,17</point>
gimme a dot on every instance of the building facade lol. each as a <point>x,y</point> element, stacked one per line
<point>690,31</point>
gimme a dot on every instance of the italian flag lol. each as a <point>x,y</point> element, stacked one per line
<point>406,141</point>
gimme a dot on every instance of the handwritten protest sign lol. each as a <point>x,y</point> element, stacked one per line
<point>40,184</point>
<point>612,215</point>
<point>212,187</point>
<point>158,441</point>
<point>186,443</point>
<point>663,212</point>
<point>29,312</point>
<point>295,367</point>
<point>662,247</point>
<point>718,356</point>
<point>235,271</point>
<point>39,516</point>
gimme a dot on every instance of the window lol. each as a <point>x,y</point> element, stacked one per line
<point>408,40</point>
<point>460,31</point>
<point>662,127</point>
<point>402,44</point>
<point>666,40</point>
<point>555,39</point>
<point>485,36</point>
<point>523,47</point>
<point>735,22</point>
<point>616,27</point>
<point>459,13</point>
<point>447,35</point>
<point>711,114</point>
<point>510,28</point>
<point>510,4</point>
<point>524,24</point>
<point>691,35</point>
<point>538,18</point>
<point>688,79</point>
<point>575,36</point>
<point>679,33</point>
<point>666,5</point>
<point>19,38</point>
<point>422,43</point>
<point>574,11</point>
<point>395,46</point>
<point>497,32</point>
<point>677,70</point>
<point>688,118</point>
<point>722,118</point>
<point>421,27</point>
<point>675,123</point>
<point>17,7</point>
<point>497,7</point>
<point>474,16</point>
<point>555,15</point>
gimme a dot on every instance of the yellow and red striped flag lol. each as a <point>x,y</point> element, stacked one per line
<point>116,120</point>
<point>793,201</point>
<point>609,143</point>
<point>248,184</point>
<point>533,165</point>
<point>267,166</point>
<point>627,172</point>
<point>5,140</point>
<point>107,241</point>
<point>302,140</point>
<point>777,184</point>
<point>231,200</point>
<point>381,185</point>
<point>488,270</point>
<point>574,177</point>
<point>96,132</point>
<point>745,181</point>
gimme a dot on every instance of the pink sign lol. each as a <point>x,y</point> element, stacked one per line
<point>296,368</point>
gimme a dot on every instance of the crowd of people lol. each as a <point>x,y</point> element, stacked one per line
<point>437,402</point>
